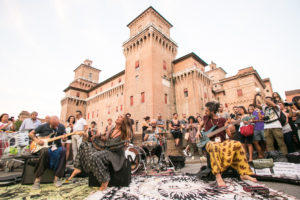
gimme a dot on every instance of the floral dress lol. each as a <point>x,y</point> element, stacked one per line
<point>97,162</point>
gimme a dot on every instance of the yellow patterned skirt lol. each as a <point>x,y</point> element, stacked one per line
<point>226,154</point>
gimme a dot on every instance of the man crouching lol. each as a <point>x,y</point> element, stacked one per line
<point>52,157</point>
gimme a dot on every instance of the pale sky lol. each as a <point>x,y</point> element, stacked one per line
<point>42,42</point>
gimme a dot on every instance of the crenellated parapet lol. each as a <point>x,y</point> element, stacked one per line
<point>149,34</point>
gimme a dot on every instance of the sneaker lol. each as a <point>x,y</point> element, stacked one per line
<point>185,153</point>
<point>57,183</point>
<point>193,158</point>
<point>36,186</point>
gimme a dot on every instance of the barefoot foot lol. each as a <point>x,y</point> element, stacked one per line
<point>220,181</point>
<point>74,173</point>
<point>103,186</point>
<point>247,177</point>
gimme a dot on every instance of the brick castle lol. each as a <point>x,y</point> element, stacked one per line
<point>155,82</point>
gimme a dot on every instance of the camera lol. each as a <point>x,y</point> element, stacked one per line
<point>288,103</point>
<point>266,118</point>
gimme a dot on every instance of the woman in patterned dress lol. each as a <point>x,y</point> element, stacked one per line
<point>229,153</point>
<point>95,160</point>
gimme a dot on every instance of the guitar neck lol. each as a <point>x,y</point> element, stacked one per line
<point>66,135</point>
<point>219,130</point>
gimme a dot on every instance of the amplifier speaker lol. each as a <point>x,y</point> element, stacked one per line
<point>28,172</point>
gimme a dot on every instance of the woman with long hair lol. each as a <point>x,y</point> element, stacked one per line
<point>95,157</point>
<point>246,140</point>
<point>175,127</point>
<point>68,141</point>
<point>145,126</point>
<point>276,97</point>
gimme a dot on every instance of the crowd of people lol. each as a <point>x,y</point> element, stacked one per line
<point>265,126</point>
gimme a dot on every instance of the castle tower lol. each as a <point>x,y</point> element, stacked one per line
<point>86,77</point>
<point>149,53</point>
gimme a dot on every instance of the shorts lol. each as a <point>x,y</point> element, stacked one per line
<point>259,135</point>
<point>177,134</point>
<point>66,142</point>
<point>244,139</point>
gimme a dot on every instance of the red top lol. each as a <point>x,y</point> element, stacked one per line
<point>209,123</point>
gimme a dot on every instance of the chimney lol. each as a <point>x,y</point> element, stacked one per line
<point>88,62</point>
<point>212,65</point>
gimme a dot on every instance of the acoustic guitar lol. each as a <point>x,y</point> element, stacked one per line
<point>211,132</point>
<point>35,147</point>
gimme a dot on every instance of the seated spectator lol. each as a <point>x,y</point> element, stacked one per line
<point>6,124</point>
<point>152,141</point>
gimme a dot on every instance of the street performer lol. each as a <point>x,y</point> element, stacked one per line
<point>96,157</point>
<point>53,157</point>
<point>222,152</point>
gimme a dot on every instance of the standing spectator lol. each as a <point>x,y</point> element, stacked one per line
<point>92,131</point>
<point>198,119</point>
<point>273,127</point>
<point>296,110</point>
<point>246,140</point>
<point>258,119</point>
<point>131,126</point>
<point>276,97</point>
<point>197,116</point>
<point>30,123</point>
<point>145,126</point>
<point>68,141</point>
<point>47,119</point>
<point>109,127</point>
<point>80,125</point>
<point>175,127</point>
<point>235,115</point>
<point>191,129</point>
<point>183,123</point>
<point>5,123</point>
<point>160,123</point>
<point>223,112</point>
<point>287,130</point>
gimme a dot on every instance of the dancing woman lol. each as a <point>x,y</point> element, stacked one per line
<point>92,159</point>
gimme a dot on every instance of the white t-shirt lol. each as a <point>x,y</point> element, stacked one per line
<point>273,118</point>
<point>79,125</point>
<point>8,127</point>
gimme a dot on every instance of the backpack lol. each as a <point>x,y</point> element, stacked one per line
<point>281,118</point>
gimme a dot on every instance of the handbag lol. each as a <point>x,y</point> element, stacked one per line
<point>247,130</point>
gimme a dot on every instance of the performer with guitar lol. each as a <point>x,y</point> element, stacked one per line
<point>96,157</point>
<point>222,153</point>
<point>54,157</point>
